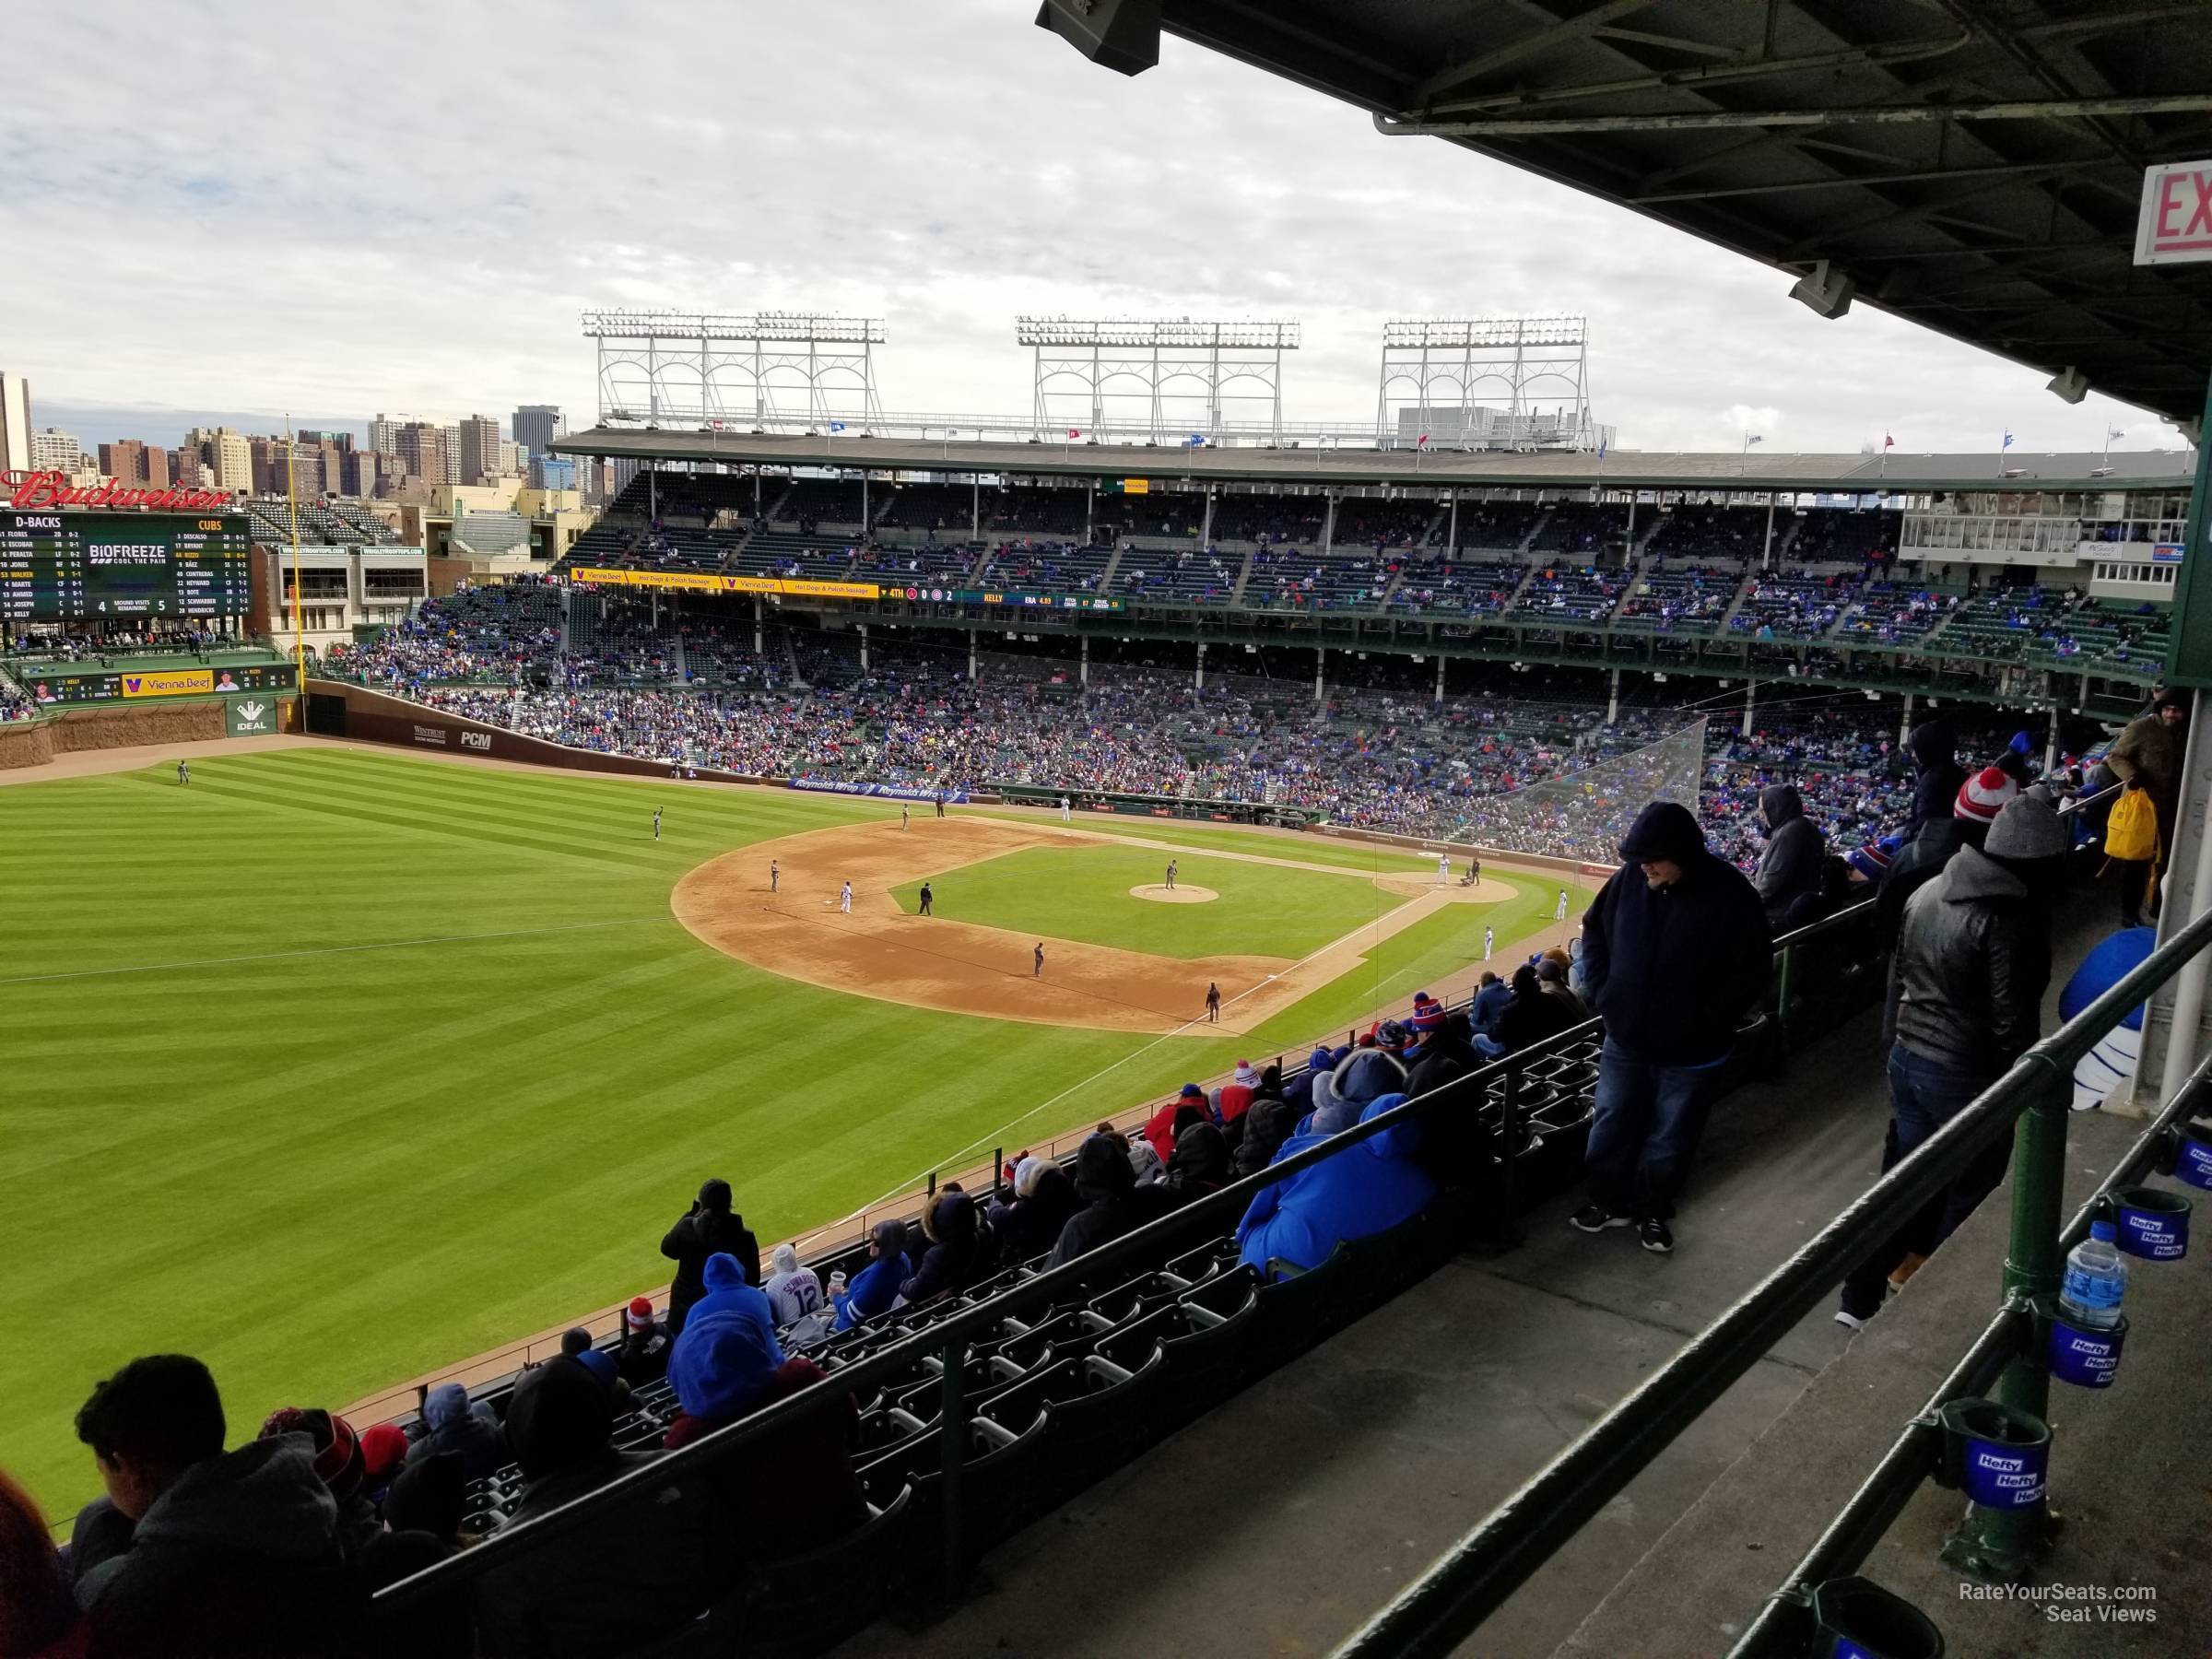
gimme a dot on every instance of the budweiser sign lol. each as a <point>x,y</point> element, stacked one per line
<point>34,489</point>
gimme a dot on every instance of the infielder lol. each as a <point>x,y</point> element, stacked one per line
<point>844,900</point>
<point>1488,939</point>
<point>775,875</point>
<point>1559,911</point>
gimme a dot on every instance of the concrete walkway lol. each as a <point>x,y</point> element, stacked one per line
<point>2126,1473</point>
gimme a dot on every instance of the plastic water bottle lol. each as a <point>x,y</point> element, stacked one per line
<point>2096,1280</point>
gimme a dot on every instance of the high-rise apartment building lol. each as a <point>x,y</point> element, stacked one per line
<point>420,448</point>
<point>127,461</point>
<point>14,423</point>
<point>479,449</point>
<point>384,432</point>
<point>452,435</point>
<point>536,425</point>
<point>226,457</point>
<point>186,470</point>
<point>53,450</point>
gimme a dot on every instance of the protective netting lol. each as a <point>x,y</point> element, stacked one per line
<point>1583,813</point>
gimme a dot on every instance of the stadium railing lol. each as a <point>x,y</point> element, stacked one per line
<point>1471,1580</point>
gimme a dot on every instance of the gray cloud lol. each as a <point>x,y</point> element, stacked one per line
<point>405,207</point>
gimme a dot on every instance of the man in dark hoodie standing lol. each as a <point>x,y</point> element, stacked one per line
<point>1677,951</point>
<point>1789,870</point>
<point>195,1549</point>
<point>709,1228</point>
<point>1937,775</point>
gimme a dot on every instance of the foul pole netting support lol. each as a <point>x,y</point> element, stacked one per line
<point>1582,813</point>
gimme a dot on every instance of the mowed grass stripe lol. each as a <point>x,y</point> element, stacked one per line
<point>326,1173</point>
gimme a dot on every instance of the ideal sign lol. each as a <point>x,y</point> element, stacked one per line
<point>2175,224</point>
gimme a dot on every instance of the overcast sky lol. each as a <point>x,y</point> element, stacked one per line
<point>341,210</point>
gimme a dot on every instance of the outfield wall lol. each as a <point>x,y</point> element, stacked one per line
<point>35,742</point>
<point>1460,849</point>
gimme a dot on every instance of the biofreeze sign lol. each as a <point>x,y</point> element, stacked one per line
<point>2174,225</point>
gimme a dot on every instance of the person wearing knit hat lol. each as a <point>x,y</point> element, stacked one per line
<point>643,1356</point>
<point>338,1464</point>
<point>1966,994</point>
<point>383,1449</point>
<point>1984,795</point>
<point>1160,1127</point>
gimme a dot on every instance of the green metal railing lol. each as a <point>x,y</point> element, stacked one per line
<point>1473,1578</point>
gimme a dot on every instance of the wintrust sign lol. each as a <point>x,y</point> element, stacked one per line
<point>35,489</point>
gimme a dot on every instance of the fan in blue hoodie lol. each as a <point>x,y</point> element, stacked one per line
<point>697,1363</point>
<point>874,1289</point>
<point>1362,1191</point>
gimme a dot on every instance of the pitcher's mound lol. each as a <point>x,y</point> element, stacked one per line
<point>1181,893</point>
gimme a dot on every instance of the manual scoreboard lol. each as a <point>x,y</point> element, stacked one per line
<point>90,566</point>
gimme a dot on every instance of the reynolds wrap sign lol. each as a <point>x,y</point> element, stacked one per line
<point>889,792</point>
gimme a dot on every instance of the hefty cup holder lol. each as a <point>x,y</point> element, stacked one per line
<point>2191,1148</point>
<point>2085,1356</point>
<point>1997,1457</point>
<point>2149,1224</point>
<point>1857,1618</point>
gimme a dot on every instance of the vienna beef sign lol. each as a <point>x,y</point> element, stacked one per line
<point>36,490</point>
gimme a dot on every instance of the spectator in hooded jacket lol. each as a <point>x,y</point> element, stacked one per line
<point>793,1491</point>
<point>1233,1097</point>
<point>1340,1094</point>
<point>455,1424</point>
<point>728,1298</point>
<point>1113,1203</point>
<point>709,1228</point>
<point>955,1256</point>
<point>1363,1190</point>
<point>1790,869</point>
<point>1966,996</point>
<point>1451,1131</point>
<point>874,1289</point>
<point>1298,1091</point>
<point>1552,980</point>
<point>1165,1123</point>
<point>1027,1222</point>
<point>1267,1124</point>
<point>1200,1165</point>
<point>1936,774</point>
<point>1679,952</point>
<point>194,1549</point>
<point>640,1568</point>
<point>793,1291</point>
<point>1491,997</point>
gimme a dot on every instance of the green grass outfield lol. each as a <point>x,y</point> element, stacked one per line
<point>1080,891</point>
<point>337,1067</point>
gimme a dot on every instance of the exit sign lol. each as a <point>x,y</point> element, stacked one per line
<point>2175,226</point>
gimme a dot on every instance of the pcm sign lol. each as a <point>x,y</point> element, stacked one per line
<point>2175,224</point>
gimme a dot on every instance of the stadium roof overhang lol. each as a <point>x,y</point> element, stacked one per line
<point>1357,468</point>
<point>1975,166</point>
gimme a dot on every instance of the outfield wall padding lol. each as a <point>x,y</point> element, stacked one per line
<point>379,717</point>
<point>33,743</point>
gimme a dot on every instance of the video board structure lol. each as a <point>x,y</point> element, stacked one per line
<point>1485,383</point>
<point>1171,379</point>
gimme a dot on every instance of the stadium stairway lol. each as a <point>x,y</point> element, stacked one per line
<point>1236,594</point>
<point>1281,1520</point>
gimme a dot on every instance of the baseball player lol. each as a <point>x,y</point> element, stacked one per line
<point>928,898</point>
<point>1037,962</point>
<point>656,823</point>
<point>903,824</point>
<point>775,875</point>
<point>1489,941</point>
<point>184,772</point>
<point>844,900</point>
<point>1443,869</point>
<point>1064,809</point>
<point>1559,911</point>
<point>1172,875</point>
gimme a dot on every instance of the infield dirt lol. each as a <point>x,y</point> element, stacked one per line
<point>800,931</point>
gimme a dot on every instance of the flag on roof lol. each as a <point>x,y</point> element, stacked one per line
<point>1075,431</point>
<point>1197,439</point>
<point>1887,441</point>
<point>1424,441</point>
<point>2008,443</point>
<point>837,426</point>
<point>1752,438</point>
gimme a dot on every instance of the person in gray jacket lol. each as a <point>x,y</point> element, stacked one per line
<point>1965,995</point>
<point>1789,870</point>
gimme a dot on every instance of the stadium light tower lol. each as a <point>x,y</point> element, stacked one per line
<point>1446,377</point>
<point>780,369</point>
<point>1093,374</point>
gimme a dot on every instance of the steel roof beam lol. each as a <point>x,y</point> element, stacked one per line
<point>1692,120</point>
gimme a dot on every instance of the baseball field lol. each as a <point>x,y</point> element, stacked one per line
<point>337,1065</point>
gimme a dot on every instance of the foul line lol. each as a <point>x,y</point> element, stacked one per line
<point>279,956</point>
